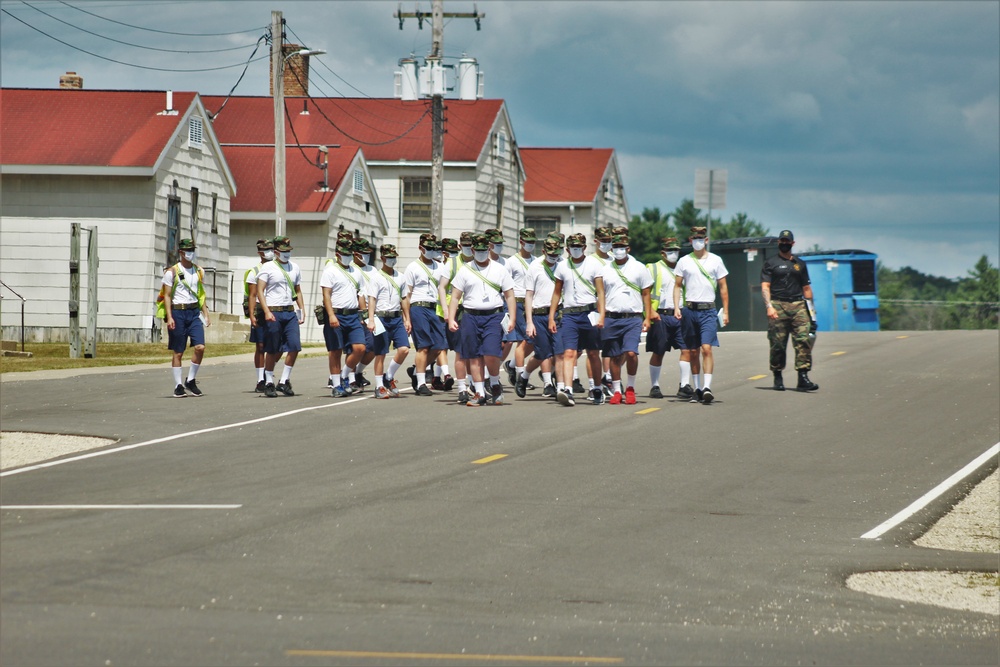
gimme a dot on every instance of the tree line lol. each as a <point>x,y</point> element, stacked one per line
<point>908,299</point>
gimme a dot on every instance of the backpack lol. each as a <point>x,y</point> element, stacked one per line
<point>161,308</point>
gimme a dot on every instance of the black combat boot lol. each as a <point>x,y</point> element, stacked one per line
<point>805,384</point>
<point>779,384</point>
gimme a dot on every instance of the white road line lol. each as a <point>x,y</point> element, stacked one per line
<point>105,452</point>
<point>120,507</point>
<point>934,493</point>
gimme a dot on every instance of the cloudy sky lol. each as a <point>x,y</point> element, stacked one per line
<point>872,125</point>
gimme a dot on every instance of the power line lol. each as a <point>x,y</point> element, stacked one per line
<point>165,32</point>
<point>231,90</point>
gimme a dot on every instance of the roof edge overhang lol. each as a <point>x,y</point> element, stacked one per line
<point>559,203</point>
<point>75,170</point>
<point>409,163</point>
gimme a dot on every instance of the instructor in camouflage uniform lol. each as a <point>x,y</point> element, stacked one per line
<point>784,284</point>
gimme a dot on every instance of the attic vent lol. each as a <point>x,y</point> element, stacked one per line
<point>500,145</point>
<point>195,130</point>
<point>359,181</point>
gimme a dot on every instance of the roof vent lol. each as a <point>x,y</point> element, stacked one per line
<point>70,81</point>
<point>170,110</point>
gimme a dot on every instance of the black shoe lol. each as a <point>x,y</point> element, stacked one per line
<point>511,372</point>
<point>570,401</point>
<point>269,390</point>
<point>549,391</point>
<point>578,387</point>
<point>192,386</point>
<point>707,396</point>
<point>449,382</point>
<point>521,387</point>
<point>423,390</point>
<point>696,396</point>
<point>179,391</point>
<point>412,372</point>
<point>779,383</point>
<point>805,384</point>
<point>685,392</point>
<point>361,380</point>
<point>561,396</point>
<point>494,395</point>
<point>597,396</point>
<point>655,392</point>
<point>260,387</point>
<point>463,397</point>
<point>286,388</point>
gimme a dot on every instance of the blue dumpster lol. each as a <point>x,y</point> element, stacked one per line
<point>845,289</point>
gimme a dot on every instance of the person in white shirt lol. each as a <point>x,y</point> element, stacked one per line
<point>455,257</point>
<point>602,253</point>
<point>699,275</point>
<point>385,294</point>
<point>427,328</point>
<point>518,266</point>
<point>183,302</point>
<point>627,283</point>
<point>580,288</point>
<point>343,329</point>
<point>280,295</point>
<point>364,262</point>
<point>538,287</point>
<point>667,332</point>
<point>484,287</point>
<point>265,250</point>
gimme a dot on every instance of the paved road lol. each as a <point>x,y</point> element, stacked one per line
<point>371,532</point>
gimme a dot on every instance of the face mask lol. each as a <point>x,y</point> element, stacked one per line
<point>344,259</point>
<point>620,253</point>
<point>552,259</point>
<point>576,252</point>
<point>436,255</point>
<point>604,247</point>
<point>467,250</point>
<point>390,262</point>
<point>481,255</point>
<point>497,248</point>
<point>698,244</point>
<point>284,257</point>
<point>268,255</point>
<point>529,248</point>
<point>785,247</point>
<point>672,257</point>
<point>189,255</point>
<point>362,260</point>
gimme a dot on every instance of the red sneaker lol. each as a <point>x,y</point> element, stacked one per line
<point>630,396</point>
<point>616,399</point>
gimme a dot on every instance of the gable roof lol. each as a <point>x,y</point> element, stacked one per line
<point>387,129</point>
<point>564,174</point>
<point>88,128</point>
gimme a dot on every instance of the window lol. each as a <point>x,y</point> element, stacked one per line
<point>415,204</point>
<point>195,132</point>
<point>611,190</point>
<point>194,213</point>
<point>500,190</point>
<point>173,227</point>
<point>215,213</point>
<point>863,276</point>
<point>500,146</point>
<point>543,226</point>
<point>359,182</point>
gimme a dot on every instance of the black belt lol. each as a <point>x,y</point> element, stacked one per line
<point>539,311</point>
<point>620,316</point>
<point>789,300</point>
<point>579,309</point>
<point>424,304</point>
<point>387,314</point>
<point>282,309</point>
<point>345,311</point>
<point>701,305</point>
<point>185,306</point>
<point>665,311</point>
<point>488,311</point>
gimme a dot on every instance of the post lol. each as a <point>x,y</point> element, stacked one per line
<point>278,93</point>
<point>437,116</point>
<point>92,303</point>
<point>74,290</point>
<point>711,185</point>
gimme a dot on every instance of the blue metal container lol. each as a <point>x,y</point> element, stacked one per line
<point>845,289</point>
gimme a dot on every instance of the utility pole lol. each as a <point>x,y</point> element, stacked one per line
<point>278,93</point>
<point>434,65</point>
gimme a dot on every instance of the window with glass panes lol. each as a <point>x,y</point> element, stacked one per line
<point>543,226</point>
<point>415,203</point>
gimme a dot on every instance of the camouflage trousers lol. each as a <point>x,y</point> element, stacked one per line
<point>793,319</point>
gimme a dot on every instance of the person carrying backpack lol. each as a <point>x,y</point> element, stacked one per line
<point>182,298</point>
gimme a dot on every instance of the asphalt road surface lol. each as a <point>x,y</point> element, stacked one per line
<point>238,530</point>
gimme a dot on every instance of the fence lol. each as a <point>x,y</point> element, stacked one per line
<point>928,315</point>
<point>23,300</point>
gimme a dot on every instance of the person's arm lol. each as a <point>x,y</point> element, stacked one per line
<point>765,293</point>
<point>456,296</point>
<point>511,309</point>
<point>599,286</point>
<point>302,309</point>
<point>252,302</point>
<point>261,287</point>
<point>647,308</point>
<point>678,284</point>
<point>404,304</point>
<point>807,292</point>
<point>554,305</point>
<point>372,303</point>
<point>529,323</point>
<point>168,305</point>
<point>724,293</point>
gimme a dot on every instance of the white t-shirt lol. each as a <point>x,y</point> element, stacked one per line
<point>619,297</point>
<point>187,285</point>
<point>578,284</point>
<point>476,293</point>
<point>387,289</point>
<point>518,268</point>
<point>344,283</point>
<point>273,287</point>
<point>667,279</point>
<point>421,281</point>
<point>696,285</point>
<point>540,284</point>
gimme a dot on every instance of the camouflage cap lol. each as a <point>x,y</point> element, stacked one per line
<point>557,237</point>
<point>619,240</point>
<point>576,240</point>
<point>388,250</point>
<point>431,244</point>
<point>265,244</point>
<point>282,243</point>
<point>362,245</point>
<point>185,244</point>
<point>449,245</point>
<point>344,234</point>
<point>427,236</point>
<point>603,234</point>
<point>786,234</point>
<point>527,234</point>
<point>345,246</point>
<point>480,242</point>
<point>494,236</point>
<point>670,243</point>
<point>466,238</point>
<point>615,231</point>
<point>699,232</point>
<point>552,247</point>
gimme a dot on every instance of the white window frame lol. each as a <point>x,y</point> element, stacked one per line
<point>196,132</point>
<point>359,182</point>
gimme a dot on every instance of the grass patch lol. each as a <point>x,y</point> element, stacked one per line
<point>53,356</point>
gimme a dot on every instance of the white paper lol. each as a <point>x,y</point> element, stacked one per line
<point>593,316</point>
<point>505,322</point>
<point>721,314</point>
<point>379,327</point>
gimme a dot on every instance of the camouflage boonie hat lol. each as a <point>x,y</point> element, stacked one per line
<point>670,243</point>
<point>552,247</point>
<point>603,234</point>
<point>388,250</point>
<point>282,243</point>
<point>465,238</point>
<point>449,245</point>
<point>576,240</point>
<point>362,245</point>
<point>265,244</point>
<point>344,234</point>
<point>786,234</point>
<point>185,244</point>
<point>616,231</point>
<point>527,234</point>
<point>480,242</point>
<point>557,237</point>
<point>426,236</point>
<point>432,243</point>
<point>345,246</point>
<point>494,236</point>
<point>619,240</point>
<point>699,232</point>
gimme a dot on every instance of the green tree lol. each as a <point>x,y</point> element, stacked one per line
<point>645,232</point>
<point>981,293</point>
<point>739,226</point>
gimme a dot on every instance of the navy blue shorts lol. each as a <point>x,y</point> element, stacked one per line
<point>481,335</point>
<point>187,324</point>
<point>620,335</point>
<point>427,329</point>
<point>257,334</point>
<point>395,333</point>
<point>520,324</point>
<point>578,333</point>
<point>544,340</point>
<point>454,337</point>
<point>350,332</point>
<point>704,328</point>
<point>667,334</point>
<point>282,335</point>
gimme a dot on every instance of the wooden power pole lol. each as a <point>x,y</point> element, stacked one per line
<point>434,65</point>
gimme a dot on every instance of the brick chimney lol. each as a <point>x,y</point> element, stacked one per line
<point>71,81</point>
<point>296,70</point>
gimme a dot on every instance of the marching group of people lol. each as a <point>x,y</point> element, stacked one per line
<point>466,297</point>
